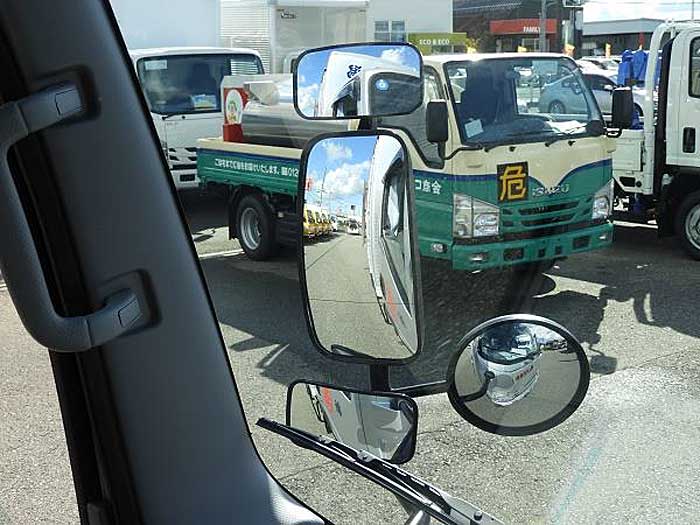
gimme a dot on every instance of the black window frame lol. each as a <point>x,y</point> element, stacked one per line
<point>695,41</point>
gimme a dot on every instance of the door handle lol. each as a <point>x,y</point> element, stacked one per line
<point>19,260</point>
<point>688,140</point>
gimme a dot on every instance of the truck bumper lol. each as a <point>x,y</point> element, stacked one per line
<point>498,255</point>
<point>185,178</point>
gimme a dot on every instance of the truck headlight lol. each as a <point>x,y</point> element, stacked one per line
<point>603,202</point>
<point>474,218</point>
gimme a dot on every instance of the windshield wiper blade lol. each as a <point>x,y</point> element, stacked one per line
<point>442,506</point>
<point>566,135</point>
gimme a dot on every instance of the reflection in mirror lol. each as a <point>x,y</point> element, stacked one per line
<point>361,280</point>
<point>384,425</point>
<point>359,80</point>
<point>519,377</point>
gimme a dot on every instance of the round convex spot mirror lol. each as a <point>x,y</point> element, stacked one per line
<point>518,375</point>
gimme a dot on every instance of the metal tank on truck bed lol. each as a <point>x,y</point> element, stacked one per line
<point>268,116</point>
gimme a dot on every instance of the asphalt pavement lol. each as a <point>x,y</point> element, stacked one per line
<point>626,456</point>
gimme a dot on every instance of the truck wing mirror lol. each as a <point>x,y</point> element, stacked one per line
<point>358,80</point>
<point>622,108</point>
<point>385,425</point>
<point>436,122</point>
<point>361,284</point>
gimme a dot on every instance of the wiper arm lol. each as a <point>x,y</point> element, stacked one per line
<point>565,135</point>
<point>435,502</point>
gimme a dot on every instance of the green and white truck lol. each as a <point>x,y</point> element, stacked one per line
<point>516,182</point>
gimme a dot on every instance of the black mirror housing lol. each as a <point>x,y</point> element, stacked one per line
<point>436,122</point>
<point>622,108</point>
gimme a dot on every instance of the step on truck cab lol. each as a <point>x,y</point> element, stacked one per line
<point>500,180</point>
<point>181,88</point>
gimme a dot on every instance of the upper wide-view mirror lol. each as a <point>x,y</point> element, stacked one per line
<point>384,425</point>
<point>518,375</point>
<point>358,80</point>
<point>361,281</point>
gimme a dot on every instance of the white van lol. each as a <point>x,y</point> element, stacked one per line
<point>182,87</point>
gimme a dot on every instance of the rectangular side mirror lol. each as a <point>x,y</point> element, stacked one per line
<point>436,122</point>
<point>365,278</point>
<point>385,425</point>
<point>358,80</point>
<point>622,108</point>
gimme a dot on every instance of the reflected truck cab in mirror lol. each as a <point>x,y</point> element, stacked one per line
<point>384,425</point>
<point>358,80</point>
<point>361,282</point>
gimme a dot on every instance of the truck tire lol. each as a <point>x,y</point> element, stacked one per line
<point>255,228</point>
<point>688,224</point>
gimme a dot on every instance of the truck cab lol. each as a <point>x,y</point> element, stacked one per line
<point>181,86</point>
<point>507,186</point>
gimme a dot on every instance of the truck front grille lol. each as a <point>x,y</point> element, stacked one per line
<point>182,155</point>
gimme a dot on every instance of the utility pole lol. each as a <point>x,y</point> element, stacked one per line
<point>543,26</point>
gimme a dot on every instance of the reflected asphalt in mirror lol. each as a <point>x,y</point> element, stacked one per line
<point>343,301</point>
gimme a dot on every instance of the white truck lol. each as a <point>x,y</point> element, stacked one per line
<point>657,168</point>
<point>180,68</point>
<point>181,87</point>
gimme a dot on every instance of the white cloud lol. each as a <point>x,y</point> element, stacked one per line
<point>307,97</point>
<point>347,179</point>
<point>336,151</point>
<point>400,55</point>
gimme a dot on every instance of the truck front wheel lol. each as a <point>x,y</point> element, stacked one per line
<point>255,228</point>
<point>688,224</point>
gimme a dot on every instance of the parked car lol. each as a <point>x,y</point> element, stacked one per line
<point>561,96</point>
<point>607,64</point>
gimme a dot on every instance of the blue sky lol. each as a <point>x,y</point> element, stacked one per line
<point>622,9</point>
<point>340,167</point>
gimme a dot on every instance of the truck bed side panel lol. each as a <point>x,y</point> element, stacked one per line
<point>269,173</point>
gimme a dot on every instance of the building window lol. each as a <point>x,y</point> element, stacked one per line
<point>694,87</point>
<point>390,31</point>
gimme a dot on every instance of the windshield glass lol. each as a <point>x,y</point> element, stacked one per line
<point>182,84</point>
<point>520,99</point>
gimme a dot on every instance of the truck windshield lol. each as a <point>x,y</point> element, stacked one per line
<point>184,84</point>
<point>520,100</point>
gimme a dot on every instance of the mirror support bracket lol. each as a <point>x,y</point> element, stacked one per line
<point>379,378</point>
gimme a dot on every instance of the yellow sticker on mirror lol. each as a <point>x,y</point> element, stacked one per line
<point>512,182</point>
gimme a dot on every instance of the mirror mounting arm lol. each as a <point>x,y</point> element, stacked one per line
<point>488,376</point>
<point>368,124</point>
<point>379,378</point>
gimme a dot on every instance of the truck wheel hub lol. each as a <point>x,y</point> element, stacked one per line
<point>250,228</point>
